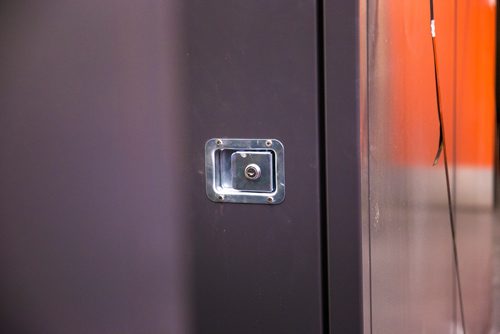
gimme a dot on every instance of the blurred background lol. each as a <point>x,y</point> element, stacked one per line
<point>413,285</point>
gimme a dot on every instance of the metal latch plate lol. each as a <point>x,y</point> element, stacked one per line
<point>245,170</point>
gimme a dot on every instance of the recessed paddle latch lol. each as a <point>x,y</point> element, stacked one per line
<point>245,170</point>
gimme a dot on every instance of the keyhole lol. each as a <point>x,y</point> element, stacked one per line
<point>252,172</point>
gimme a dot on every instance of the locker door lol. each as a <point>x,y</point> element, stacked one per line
<point>252,73</point>
<point>105,110</point>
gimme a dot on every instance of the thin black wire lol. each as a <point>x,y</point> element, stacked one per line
<point>442,146</point>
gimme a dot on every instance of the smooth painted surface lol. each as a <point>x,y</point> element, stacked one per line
<point>93,232</point>
<point>342,183</point>
<point>252,74</point>
<point>105,110</point>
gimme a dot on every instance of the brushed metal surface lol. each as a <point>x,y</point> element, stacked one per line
<point>413,288</point>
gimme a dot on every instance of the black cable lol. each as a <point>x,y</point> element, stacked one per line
<point>442,147</point>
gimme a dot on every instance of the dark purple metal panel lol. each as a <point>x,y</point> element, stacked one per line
<point>252,74</point>
<point>92,223</point>
<point>105,109</point>
<point>342,109</point>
